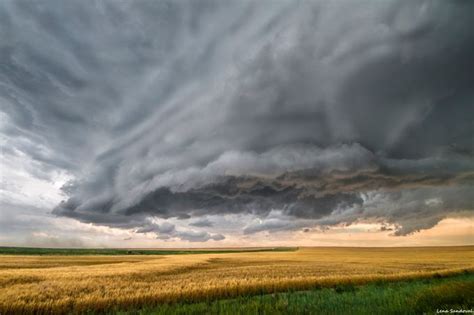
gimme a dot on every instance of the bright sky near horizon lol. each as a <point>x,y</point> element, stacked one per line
<point>244,123</point>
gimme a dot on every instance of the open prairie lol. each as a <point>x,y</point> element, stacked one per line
<point>82,283</point>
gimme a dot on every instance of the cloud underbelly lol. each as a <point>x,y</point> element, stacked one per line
<point>327,112</point>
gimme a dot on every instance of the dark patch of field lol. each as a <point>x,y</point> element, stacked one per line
<point>116,251</point>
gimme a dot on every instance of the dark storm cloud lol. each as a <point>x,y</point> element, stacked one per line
<point>328,111</point>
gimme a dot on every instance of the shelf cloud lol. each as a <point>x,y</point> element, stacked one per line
<point>328,113</point>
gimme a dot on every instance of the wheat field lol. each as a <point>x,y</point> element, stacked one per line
<point>64,284</point>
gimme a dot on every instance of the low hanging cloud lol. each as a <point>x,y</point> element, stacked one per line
<point>202,223</point>
<point>330,112</point>
<point>166,231</point>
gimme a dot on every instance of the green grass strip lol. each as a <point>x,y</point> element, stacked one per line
<point>426,296</point>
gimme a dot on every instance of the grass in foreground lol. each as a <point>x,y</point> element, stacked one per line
<point>98,283</point>
<point>406,297</point>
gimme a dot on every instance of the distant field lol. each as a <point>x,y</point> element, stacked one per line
<point>134,251</point>
<point>62,284</point>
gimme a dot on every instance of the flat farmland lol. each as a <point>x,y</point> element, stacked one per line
<point>107,283</point>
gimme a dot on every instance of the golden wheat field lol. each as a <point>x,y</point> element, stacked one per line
<point>62,284</point>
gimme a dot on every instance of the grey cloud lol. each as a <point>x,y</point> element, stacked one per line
<point>193,236</point>
<point>218,194</point>
<point>165,231</point>
<point>165,228</point>
<point>404,211</point>
<point>193,109</point>
<point>274,225</point>
<point>409,210</point>
<point>385,228</point>
<point>202,223</point>
<point>30,225</point>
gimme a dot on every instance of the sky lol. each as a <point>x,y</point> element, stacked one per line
<point>236,123</point>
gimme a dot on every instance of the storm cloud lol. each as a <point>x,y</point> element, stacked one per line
<point>327,112</point>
